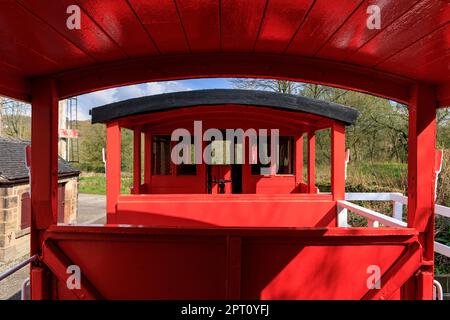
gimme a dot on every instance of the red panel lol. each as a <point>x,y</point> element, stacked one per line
<point>354,33</point>
<point>90,38</point>
<point>289,270</point>
<point>219,210</point>
<point>119,21</point>
<point>401,33</point>
<point>320,24</point>
<point>174,268</point>
<point>235,14</point>
<point>218,263</point>
<point>280,23</point>
<point>161,19</point>
<point>201,23</point>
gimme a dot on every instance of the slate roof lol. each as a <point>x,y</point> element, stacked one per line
<point>211,97</point>
<point>12,162</point>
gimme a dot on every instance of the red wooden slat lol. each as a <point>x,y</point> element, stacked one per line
<point>201,23</point>
<point>90,38</point>
<point>33,46</point>
<point>354,33</point>
<point>234,15</point>
<point>281,21</point>
<point>401,33</point>
<point>119,21</point>
<point>322,21</point>
<point>161,20</point>
<point>427,56</point>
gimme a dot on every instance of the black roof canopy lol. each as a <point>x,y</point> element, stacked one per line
<point>176,100</point>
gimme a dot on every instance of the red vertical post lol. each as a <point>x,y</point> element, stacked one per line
<point>136,161</point>
<point>421,176</point>
<point>44,167</point>
<point>113,169</point>
<point>299,160</point>
<point>311,161</point>
<point>148,144</point>
<point>338,161</point>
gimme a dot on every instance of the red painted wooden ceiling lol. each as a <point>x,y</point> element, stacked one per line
<point>413,43</point>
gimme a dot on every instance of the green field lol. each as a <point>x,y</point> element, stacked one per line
<point>95,183</point>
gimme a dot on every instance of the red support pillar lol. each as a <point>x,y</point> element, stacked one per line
<point>338,161</point>
<point>137,161</point>
<point>112,169</point>
<point>148,161</point>
<point>311,161</point>
<point>44,170</point>
<point>421,176</point>
<point>299,161</point>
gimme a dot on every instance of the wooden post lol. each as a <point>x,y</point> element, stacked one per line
<point>298,160</point>
<point>421,176</point>
<point>148,161</point>
<point>311,161</point>
<point>338,161</point>
<point>113,169</point>
<point>137,161</point>
<point>44,170</point>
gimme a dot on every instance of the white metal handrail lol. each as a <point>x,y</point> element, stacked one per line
<point>374,218</point>
<point>17,267</point>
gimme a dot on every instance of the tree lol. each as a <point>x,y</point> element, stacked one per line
<point>15,118</point>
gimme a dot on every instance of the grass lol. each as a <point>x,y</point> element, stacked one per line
<point>95,183</point>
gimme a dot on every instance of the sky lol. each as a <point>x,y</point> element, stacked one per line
<point>98,98</point>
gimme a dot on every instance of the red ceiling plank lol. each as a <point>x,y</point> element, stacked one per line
<point>354,33</point>
<point>90,38</point>
<point>428,14</point>
<point>160,18</point>
<point>422,54</point>
<point>235,14</point>
<point>280,23</point>
<point>118,20</point>
<point>25,58</point>
<point>201,23</point>
<point>13,84</point>
<point>322,21</point>
<point>31,45</point>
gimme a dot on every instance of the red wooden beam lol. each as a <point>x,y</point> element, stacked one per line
<point>311,161</point>
<point>403,269</point>
<point>338,161</point>
<point>421,176</point>
<point>288,67</point>
<point>421,162</point>
<point>148,161</point>
<point>112,169</point>
<point>58,263</point>
<point>298,159</point>
<point>136,160</point>
<point>44,154</point>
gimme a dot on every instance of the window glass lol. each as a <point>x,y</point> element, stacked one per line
<point>161,156</point>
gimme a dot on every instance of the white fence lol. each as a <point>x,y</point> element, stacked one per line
<point>375,218</point>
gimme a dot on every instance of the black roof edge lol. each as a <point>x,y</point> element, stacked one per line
<point>184,99</point>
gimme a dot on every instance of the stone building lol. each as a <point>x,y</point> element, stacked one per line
<point>15,207</point>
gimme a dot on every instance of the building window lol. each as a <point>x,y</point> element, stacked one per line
<point>286,159</point>
<point>161,156</point>
<point>186,169</point>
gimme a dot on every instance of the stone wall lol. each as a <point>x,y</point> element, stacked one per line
<point>14,238</point>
